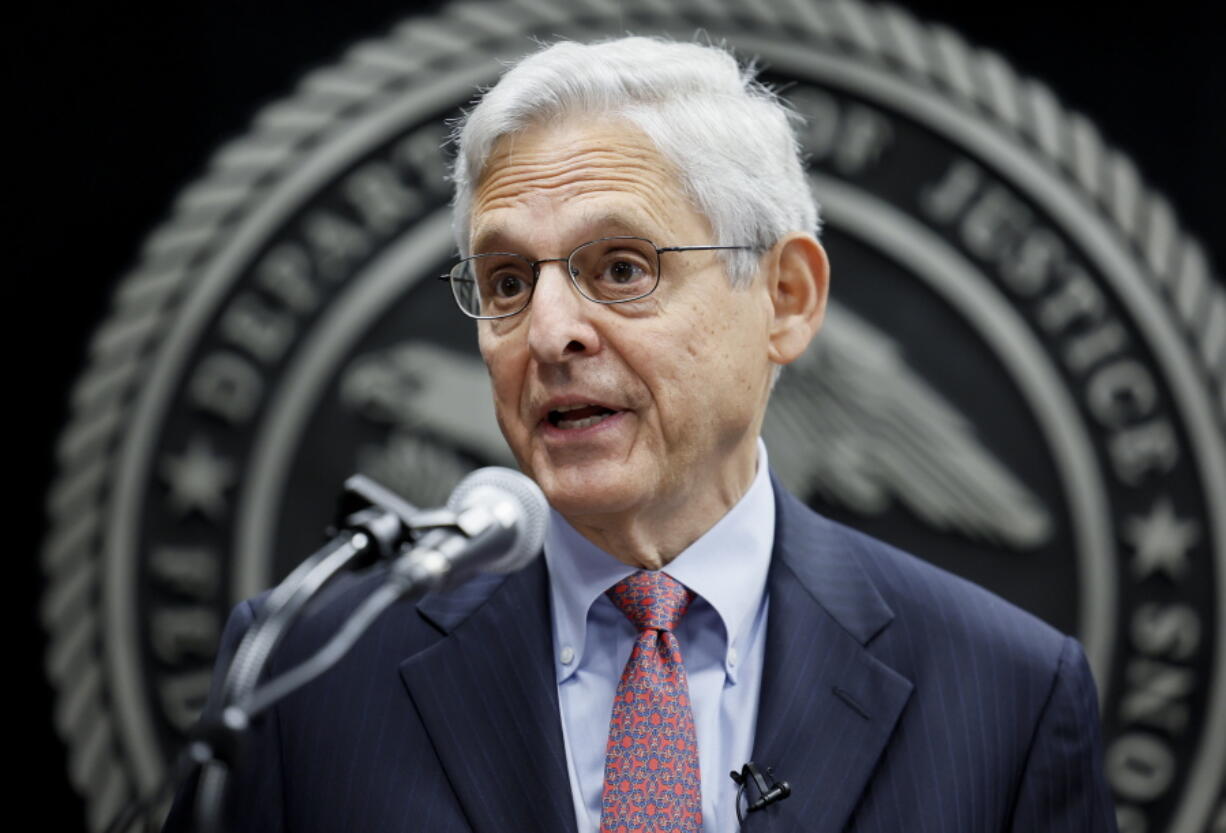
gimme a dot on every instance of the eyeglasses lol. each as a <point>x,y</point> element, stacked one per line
<point>611,270</point>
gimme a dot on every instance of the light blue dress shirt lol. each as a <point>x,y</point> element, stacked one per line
<point>722,639</point>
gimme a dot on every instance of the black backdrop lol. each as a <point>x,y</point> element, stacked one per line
<point>119,107</point>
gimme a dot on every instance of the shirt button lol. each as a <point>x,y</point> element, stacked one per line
<point>568,655</point>
<point>732,656</point>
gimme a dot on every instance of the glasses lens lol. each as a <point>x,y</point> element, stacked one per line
<point>492,285</point>
<point>616,269</point>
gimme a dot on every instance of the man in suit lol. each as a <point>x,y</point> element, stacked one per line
<point>637,242</point>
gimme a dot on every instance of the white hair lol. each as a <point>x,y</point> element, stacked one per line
<point>728,136</point>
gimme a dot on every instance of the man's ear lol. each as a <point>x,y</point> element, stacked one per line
<point>799,282</point>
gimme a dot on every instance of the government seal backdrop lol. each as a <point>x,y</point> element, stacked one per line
<point>1021,377</point>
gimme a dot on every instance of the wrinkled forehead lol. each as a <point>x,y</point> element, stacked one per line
<point>601,177</point>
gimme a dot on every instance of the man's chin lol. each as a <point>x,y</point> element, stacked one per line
<point>590,491</point>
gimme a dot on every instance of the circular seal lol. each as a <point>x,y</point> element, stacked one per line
<point>1022,378</point>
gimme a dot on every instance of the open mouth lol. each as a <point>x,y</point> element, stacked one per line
<point>578,416</point>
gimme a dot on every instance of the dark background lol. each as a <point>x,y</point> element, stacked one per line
<point>119,106</point>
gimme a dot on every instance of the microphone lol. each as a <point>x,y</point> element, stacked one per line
<point>780,791</point>
<point>768,792</point>
<point>497,520</point>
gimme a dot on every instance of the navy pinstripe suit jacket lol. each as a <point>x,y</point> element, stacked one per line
<point>895,697</point>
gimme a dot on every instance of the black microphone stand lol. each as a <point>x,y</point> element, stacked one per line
<point>374,523</point>
<point>425,549</point>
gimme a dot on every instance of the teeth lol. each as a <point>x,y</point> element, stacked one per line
<point>567,408</point>
<point>581,423</point>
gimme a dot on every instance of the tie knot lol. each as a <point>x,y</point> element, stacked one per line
<point>651,600</point>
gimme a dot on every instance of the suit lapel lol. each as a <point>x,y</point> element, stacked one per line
<point>487,693</point>
<point>827,707</point>
<point>487,696</point>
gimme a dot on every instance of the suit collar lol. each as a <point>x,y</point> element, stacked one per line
<point>448,610</point>
<point>822,558</point>
<point>827,706</point>
<point>488,698</point>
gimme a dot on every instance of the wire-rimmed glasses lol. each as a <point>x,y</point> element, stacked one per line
<point>610,270</point>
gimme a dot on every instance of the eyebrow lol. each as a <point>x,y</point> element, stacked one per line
<point>607,224</point>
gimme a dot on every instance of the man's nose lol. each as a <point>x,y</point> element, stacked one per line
<point>559,318</point>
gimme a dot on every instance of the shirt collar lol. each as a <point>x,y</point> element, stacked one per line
<point>727,567</point>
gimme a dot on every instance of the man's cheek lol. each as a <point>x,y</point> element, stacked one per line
<point>513,431</point>
<point>506,419</point>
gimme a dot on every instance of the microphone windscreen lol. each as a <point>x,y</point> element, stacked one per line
<point>507,492</point>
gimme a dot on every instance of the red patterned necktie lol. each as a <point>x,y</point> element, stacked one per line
<point>651,778</point>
